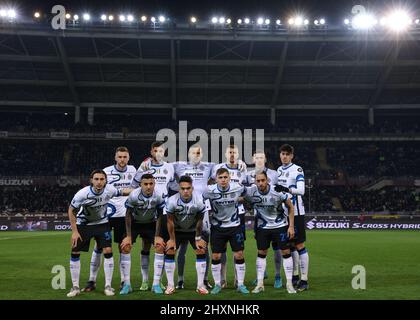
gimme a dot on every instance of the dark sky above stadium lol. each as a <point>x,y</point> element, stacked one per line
<point>334,10</point>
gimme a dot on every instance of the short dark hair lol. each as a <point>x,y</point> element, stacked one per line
<point>97,171</point>
<point>287,148</point>
<point>147,176</point>
<point>187,179</point>
<point>121,149</point>
<point>157,144</point>
<point>221,171</point>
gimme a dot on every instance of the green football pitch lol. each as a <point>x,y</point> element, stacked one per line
<point>391,260</point>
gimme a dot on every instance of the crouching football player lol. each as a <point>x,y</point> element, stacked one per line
<point>185,212</point>
<point>272,227</point>
<point>88,217</point>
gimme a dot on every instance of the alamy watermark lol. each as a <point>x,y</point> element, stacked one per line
<point>176,143</point>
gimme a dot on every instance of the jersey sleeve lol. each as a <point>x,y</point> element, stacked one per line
<point>169,206</point>
<point>136,179</point>
<point>129,203</point>
<point>115,192</point>
<point>77,200</point>
<point>299,187</point>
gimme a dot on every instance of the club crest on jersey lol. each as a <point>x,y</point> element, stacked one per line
<point>272,200</point>
<point>201,167</point>
<point>165,171</point>
<point>232,195</point>
<point>287,175</point>
<point>130,177</point>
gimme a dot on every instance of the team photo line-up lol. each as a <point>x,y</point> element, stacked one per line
<point>172,205</point>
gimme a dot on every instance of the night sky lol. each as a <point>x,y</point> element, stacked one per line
<point>334,11</point>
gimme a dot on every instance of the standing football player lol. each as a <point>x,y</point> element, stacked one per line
<point>291,179</point>
<point>119,175</point>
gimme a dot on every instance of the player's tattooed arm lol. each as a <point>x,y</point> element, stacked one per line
<point>75,233</point>
<point>158,238</point>
<point>128,217</point>
<point>199,242</point>
<point>291,211</point>
<point>171,230</point>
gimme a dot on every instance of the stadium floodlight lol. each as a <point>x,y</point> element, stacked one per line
<point>111,18</point>
<point>162,19</point>
<point>228,21</point>
<point>260,21</point>
<point>193,19</point>
<point>417,21</point>
<point>398,20</point>
<point>278,22</point>
<point>86,16</point>
<point>322,21</point>
<point>122,18</point>
<point>153,19</point>
<point>247,21</point>
<point>298,21</point>
<point>37,15</point>
<point>11,13</point>
<point>316,22</point>
<point>363,21</point>
<point>222,20</point>
<point>306,22</point>
<point>103,17</point>
<point>291,21</point>
<point>68,15</point>
<point>239,21</point>
<point>214,20</point>
<point>267,21</point>
<point>130,18</point>
<point>76,17</point>
<point>346,21</point>
<point>143,18</point>
<point>3,13</point>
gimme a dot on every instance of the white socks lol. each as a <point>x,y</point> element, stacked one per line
<point>200,266</point>
<point>144,262</point>
<point>216,271</point>
<point>95,264</point>
<point>261,265</point>
<point>295,256</point>
<point>288,269</point>
<point>125,267</point>
<point>108,269</point>
<point>75,270</point>
<point>240,271</point>
<point>170,270</point>
<point>158,268</point>
<point>303,264</point>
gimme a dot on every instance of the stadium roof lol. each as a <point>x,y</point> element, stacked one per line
<point>196,68</point>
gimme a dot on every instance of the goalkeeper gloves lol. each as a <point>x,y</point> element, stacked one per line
<point>280,188</point>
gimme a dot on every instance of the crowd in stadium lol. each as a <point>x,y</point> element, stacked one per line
<point>138,123</point>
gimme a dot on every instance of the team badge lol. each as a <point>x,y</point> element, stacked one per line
<point>165,171</point>
<point>287,175</point>
<point>201,167</point>
<point>130,177</point>
<point>299,169</point>
<point>232,195</point>
<point>272,200</point>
